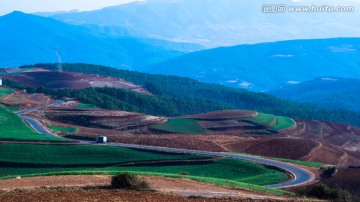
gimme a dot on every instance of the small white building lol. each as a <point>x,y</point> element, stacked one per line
<point>1,81</point>
<point>101,139</point>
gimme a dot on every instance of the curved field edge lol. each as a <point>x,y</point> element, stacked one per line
<point>262,119</point>
<point>14,129</point>
<point>215,181</point>
<point>283,123</point>
<point>224,169</point>
<point>24,159</point>
<point>311,164</point>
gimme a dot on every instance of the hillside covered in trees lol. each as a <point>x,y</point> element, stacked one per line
<point>174,96</point>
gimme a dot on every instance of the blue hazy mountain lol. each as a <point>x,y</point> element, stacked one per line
<point>222,22</point>
<point>28,39</point>
<point>335,93</point>
<point>266,66</point>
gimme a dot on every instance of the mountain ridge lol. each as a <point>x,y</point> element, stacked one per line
<point>205,21</point>
<point>29,39</point>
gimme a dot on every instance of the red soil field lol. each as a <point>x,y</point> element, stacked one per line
<point>275,147</point>
<point>70,80</point>
<point>346,178</point>
<point>24,100</point>
<point>160,184</point>
<point>224,115</point>
<point>102,119</point>
<point>335,134</point>
<point>107,195</point>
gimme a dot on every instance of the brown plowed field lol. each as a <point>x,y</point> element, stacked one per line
<point>181,187</point>
<point>224,115</point>
<point>224,124</point>
<point>339,135</point>
<point>346,178</point>
<point>332,155</point>
<point>97,195</point>
<point>53,79</point>
<point>276,147</point>
<point>175,141</point>
<point>24,100</point>
<point>102,119</point>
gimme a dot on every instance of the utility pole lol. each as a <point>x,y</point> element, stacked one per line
<point>59,61</point>
<point>1,81</point>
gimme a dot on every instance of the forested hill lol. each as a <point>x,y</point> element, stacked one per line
<point>172,89</point>
<point>267,66</point>
<point>335,93</point>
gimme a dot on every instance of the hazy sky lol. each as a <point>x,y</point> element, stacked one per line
<point>30,6</point>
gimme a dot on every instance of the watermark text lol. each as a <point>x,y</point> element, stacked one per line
<point>283,8</point>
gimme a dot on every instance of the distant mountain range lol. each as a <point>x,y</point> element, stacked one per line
<point>216,23</point>
<point>334,93</point>
<point>266,66</point>
<point>29,39</point>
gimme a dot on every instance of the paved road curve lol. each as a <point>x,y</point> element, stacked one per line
<point>36,125</point>
<point>301,176</point>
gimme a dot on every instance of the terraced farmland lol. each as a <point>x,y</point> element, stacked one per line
<point>58,129</point>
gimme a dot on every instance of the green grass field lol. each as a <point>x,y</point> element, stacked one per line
<point>32,160</point>
<point>13,128</point>
<point>283,123</point>
<point>58,129</point>
<point>262,119</point>
<point>180,126</point>
<point>78,155</point>
<point>13,108</point>
<point>303,163</point>
<point>85,106</point>
<point>230,169</point>
<point>5,91</point>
